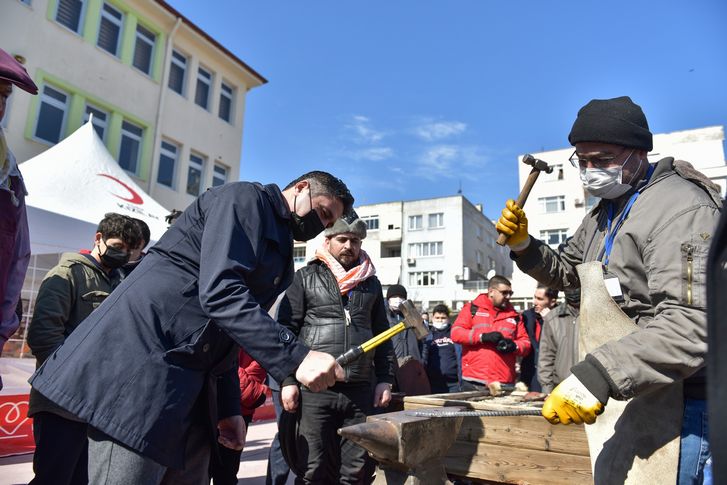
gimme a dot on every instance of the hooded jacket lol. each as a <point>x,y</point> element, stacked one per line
<point>68,294</point>
<point>481,362</point>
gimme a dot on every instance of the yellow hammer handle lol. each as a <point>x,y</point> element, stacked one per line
<point>383,337</point>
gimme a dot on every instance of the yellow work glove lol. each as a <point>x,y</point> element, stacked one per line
<point>514,225</point>
<point>571,402</point>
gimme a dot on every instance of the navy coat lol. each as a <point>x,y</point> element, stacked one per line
<point>529,364</point>
<point>149,361</point>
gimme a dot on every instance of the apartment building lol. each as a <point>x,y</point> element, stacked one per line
<point>167,99</point>
<point>558,203</point>
<point>440,249</point>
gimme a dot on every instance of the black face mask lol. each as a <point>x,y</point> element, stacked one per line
<point>305,228</point>
<point>114,258</point>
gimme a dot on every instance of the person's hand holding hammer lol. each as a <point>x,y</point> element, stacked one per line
<point>514,224</point>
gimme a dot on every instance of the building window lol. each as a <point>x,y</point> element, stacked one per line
<point>51,115</point>
<point>194,174</point>
<point>225,111</point>
<point>167,163</point>
<point>219,175</point>
<point>299,254</point>
<point>492,262</point>
<point>478,258</point>
<point>436,220</point>
<point>130,148</point>
<point>553,237</point>
<point>100,120</point>
<point>144,49</point>
<point>177,71</point>
<point>478,229</point>
<point>69,13</point>
<point>415,223</point>
<point>372,222</point>
<point>425,249</point>
<point>425,278</point>
<point>552,204</point>
<point>556,174</point>
<point>204,84</point>
<point>109,31</point>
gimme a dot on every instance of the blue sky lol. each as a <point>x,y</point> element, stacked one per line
<point>406,99</point>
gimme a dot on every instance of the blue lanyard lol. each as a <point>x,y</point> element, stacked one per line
<point>611,208</point>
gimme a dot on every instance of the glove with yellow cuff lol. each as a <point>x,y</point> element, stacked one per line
<point>514,225</point>
<point>581,397</point>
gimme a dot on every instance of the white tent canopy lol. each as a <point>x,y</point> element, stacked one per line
<point>70,188</point>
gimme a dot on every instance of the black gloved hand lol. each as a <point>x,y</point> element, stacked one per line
<point>506,346</point>
<point>491,337</point>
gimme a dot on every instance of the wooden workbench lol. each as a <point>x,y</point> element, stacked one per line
<point>511,449</point>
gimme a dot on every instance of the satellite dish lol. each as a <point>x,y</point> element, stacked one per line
<point>491,273</point>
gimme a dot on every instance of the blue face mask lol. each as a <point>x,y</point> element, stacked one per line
<point>607,183</point>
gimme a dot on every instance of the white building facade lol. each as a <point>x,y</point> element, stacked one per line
<point>166,98</point>
<point>441,250</point>
<point>557,204</point>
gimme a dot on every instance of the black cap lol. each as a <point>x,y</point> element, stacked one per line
<point>618,121</point>
<point>396,290</point>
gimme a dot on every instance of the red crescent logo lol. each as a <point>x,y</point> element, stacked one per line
<point>134,199</point>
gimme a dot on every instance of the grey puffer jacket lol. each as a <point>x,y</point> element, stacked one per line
<point>659,256</point>
<point>314,309</point>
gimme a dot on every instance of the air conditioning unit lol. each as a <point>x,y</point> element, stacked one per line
<point>411,261</point>
<point>580,203</point>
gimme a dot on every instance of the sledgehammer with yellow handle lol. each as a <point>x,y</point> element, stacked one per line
<point>412,319</point>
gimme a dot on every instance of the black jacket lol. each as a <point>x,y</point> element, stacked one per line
<point>529,364</point>
<point>313,309</point>
<point>161,349</point>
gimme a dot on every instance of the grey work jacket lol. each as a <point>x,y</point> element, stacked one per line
<point>558,346</point>
<point>659,256</point>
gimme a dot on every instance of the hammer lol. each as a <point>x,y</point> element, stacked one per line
<point>538,166</point>
<point>412,319</point>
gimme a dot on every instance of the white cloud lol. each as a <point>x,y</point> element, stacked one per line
<point>373,154</point>
<point>451,161</point>
<point>362,130</point>
<point>439,130</point>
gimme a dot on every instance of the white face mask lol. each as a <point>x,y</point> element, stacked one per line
<point>394,303</point>
<point>607,183</point>
<point>440,324</point>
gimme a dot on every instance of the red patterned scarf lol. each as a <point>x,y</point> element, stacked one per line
<point>347,280</point>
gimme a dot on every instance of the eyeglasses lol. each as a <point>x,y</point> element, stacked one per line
<point>578,161</point>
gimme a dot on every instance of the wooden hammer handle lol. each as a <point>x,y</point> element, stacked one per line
<point>521,199</point>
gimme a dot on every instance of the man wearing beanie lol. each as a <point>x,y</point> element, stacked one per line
<point>405,343</point>
<point>651,230</point>
<point>336,303</point>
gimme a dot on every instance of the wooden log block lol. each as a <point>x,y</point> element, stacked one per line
<point>507,464</point>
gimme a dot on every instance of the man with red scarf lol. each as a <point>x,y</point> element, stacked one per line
<point>335,303</point>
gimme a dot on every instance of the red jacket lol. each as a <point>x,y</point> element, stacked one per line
<point>482,362</point>
<point>252,387</point>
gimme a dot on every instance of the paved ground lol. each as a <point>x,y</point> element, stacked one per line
<point>19,469</point>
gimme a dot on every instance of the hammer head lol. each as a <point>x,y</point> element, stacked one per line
<point>536,163</point>
<point>413,319</point>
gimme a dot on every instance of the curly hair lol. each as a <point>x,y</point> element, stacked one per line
<point>122,227</point>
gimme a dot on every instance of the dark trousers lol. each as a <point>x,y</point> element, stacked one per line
<point>61,451</point>
<point>326,457</point>
<point>223,471</point>
<point>278,469</point>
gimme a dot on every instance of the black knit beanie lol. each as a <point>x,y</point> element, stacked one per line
<point>396,290</point>
<point>618,121</point>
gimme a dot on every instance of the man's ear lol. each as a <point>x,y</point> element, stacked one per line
<point>300,186</point>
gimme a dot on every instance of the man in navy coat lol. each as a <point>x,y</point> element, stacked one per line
<point>154,366</point>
